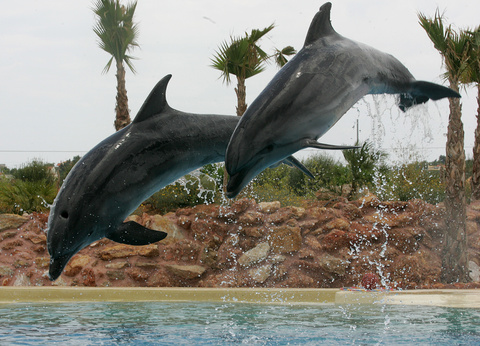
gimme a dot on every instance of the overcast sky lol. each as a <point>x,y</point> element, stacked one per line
<point>56,103</point>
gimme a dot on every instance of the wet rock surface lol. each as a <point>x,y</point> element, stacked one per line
<point>334,243</point>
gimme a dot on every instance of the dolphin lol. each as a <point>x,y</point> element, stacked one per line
<point>160,145</point>
<point>311,93</point>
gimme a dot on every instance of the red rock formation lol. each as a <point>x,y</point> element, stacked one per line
<point>325,244</point>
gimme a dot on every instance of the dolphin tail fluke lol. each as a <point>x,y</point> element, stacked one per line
<point>421,92</point>
<point>293,162</point>
<point>132,233</point>
<point>314,144</point>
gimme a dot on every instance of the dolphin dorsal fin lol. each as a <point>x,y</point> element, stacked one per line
<point>156,101</point>
<point>321,25</point>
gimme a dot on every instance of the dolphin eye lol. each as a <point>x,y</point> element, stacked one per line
<point>64,214</point>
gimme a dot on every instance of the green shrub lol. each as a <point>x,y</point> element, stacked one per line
<point>34,171</point>
<point>363,164</point>
<point>413,180</point>
<point>18,196</point>
<point>65,167</point>
<point>32,188</point>
<point>328,174</point>
<point>188,191</point>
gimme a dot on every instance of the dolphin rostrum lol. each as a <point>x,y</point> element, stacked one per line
<point>311,93</point>
<point>110,181</point>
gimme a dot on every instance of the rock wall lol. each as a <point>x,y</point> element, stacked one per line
<point>331,243</point>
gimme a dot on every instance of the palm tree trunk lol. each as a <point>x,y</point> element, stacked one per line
<point>476,154</point>
<point>241,91</point>
<point>121,109</point>
<point>454,257</point>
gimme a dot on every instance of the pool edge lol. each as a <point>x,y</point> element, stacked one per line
<point>469,298</point>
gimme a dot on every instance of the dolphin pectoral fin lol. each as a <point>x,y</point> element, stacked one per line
<point>310,143</point>
<point>132,233</point>
<point>291,161</point>
<point>421,92</point>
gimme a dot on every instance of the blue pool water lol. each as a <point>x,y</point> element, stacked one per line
<point>226,324</point>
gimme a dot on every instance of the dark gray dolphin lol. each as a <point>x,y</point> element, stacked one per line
<point>311,93</point>
<point>111,180</point>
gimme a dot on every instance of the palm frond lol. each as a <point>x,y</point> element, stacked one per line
<point>472,74</point>
<point>117,33</point>
<point>454,47</point>
<point>281,55</point>
<point>256,34</point>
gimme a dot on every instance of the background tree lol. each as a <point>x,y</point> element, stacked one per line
<point>453,48</point>
<point>117,35</point>
<point>362,163</point>
<point>473,76</point>
<point>243,58</point>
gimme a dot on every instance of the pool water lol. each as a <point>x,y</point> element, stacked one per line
<point>225,324</point>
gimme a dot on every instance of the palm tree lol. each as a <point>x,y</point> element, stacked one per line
<point>117,35</point>
<point>453,47</point>
<point>243,58</point>
<point>473,76</point>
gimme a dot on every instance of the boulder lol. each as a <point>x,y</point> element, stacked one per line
<point>474,271</point>
<point>76,264</point>
<point>187,272</point>
<point>285,239</point>
<point>161,223</point>
<point>138,275</point>
<point>117,265</point>
<point>11,221</point>
<point>250,218</point>
<point>6,271</point>
<point>124,251</point>
<point>22,280</point>
<point>255,255</point>
<point>268,207</point>
<point>260,274</point>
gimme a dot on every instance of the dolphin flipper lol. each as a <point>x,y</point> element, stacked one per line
<point>133,233</point>
<point>421,92</point>
<point>310,143</point>
<point>293,162</point>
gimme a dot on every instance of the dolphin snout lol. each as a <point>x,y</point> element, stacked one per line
<point>237,181</point>
<point>57,265</point>
<point>233,189</point>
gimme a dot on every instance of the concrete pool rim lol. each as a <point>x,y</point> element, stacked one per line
<point>456,298</point>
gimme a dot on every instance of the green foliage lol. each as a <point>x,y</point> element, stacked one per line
<point>34,171</point>
<point>243,57</point>
<point>214,172</point>
<point>329,174</point>
<point>412,180</point>
<point>65,167</point>
<point>32,188</point>
<point>453,46</point>
<point>362,163</point>
<point>116,31</point>
<point>273,185</point>
<point>186,192</point>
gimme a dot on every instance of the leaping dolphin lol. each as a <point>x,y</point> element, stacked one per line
<point>311,93</point>
<point>161,145</point>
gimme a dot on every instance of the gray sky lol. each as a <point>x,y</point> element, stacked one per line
<point>55,103</point>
